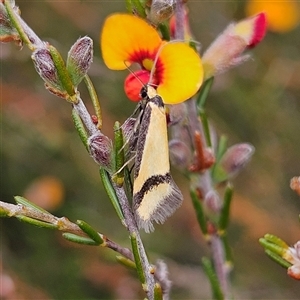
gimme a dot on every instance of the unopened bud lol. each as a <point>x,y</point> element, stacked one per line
<point>45,67</point>
<point>226,51</point>
<point>293,256</point>
<point>161,10</point>
<point>101,150</point>
<point>294,272</point>
<point>233,161</point>
<point>295,184</point>
<point>180,154</point>
<point>176,114</point>
<point>212,202</point>
<point>79,59</point>
<point>130,136</point>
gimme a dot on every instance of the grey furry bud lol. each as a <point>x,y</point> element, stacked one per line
<point>45,67</point>
<point>233,161</point>
<point>180,155</point>
<point>101,149</point>
<point>79,59</point>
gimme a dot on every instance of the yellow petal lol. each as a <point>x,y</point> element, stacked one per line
<point>127,38</point>
<point>179,71</point>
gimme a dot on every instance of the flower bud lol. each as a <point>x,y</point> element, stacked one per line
<point>295,184</point>
<point>292,255</point>
<point>45,67</point>
<point>180,154</point>
<point>130,138</point>
<point>294,272</point>
<point>233,161</point>
<point>101,150</point>
<point>79,59</point>
<point>226,51</point>
<point>161,10</point>
<point>212,202</point>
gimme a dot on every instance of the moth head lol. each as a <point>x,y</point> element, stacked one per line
<point>147,92</point>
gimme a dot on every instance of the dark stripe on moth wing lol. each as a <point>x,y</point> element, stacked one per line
<point>149,184</point>
<point>143,130</point>
<point>157,100</point>
<point>165,207</point>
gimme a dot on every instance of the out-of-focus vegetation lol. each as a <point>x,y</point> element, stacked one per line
<point>257,102</point>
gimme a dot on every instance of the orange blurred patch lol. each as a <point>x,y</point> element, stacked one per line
<point>282,16</point>
<point>46,192</point>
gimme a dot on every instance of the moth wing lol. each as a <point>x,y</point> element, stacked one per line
<point>155,194</point>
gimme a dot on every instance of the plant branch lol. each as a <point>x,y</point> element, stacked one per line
<point>85,116</point>
<point>62,224</point>
<point>134,232</point>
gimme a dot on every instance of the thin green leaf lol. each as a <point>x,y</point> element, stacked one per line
<point>111,193</point>
<point>95,100</point>
<point>126,262</point>
<point>27,203</point>
<point>199,212</point>
<point>129,6</point>
<point>80,128</point>
<point>158,294</point>
<point>165,31</point>
<point>276,240</point>
<point>276,249</point>
<point>227,249</point>
<point>119,155</point>
<point>79,239</point>
<point>222,147</point>
<point>217,173</point>
<point>36,222</point>
<point>139,8</point>
<point>205,125</point>
<point>203,93</point>
<point>278,259</point>
<point>213,279</point>
<point>225,212</point>
<point>128,183</point>
<point>16,24</point>
<point>63,74</point>
<point>137,258</point>
<point>90,231</point>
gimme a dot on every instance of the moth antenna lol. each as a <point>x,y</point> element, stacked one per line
<point>138,79</point>
<point>125,165</point>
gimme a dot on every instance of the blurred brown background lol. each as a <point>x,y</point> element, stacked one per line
<point>257,102</point>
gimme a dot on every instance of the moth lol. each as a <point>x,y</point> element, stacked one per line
<point>155,194</point>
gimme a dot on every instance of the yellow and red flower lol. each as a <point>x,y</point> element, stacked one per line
<point>174,68</point>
